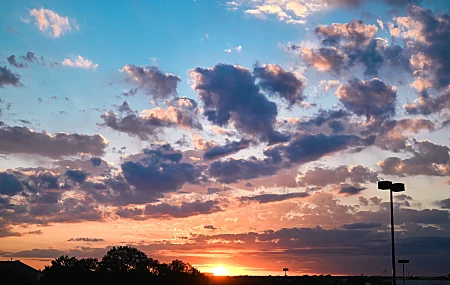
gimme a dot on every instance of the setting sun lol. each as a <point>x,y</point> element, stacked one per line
<point>219,271</point>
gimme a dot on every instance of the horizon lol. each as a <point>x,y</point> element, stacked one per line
<point>242,137</point>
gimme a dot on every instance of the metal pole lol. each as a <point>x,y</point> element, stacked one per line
<point>392,242</point>
<point>403,273</point>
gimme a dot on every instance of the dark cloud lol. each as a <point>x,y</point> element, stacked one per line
<point>12,61</point>
<point>96,161</point>
<point>30,57</point>
<point>209,227</point>
<point>131,92</point>
<point>277,81</point>
<point>233,170</point>
<point>351,189</point>
<point>230,95</point>
<point>269,198</point>
<point>130,213</point>
<point>24,140</point>
<point>445,204</point>
<point>159,171</point>
<point>361,226</point>
<point>230,148</point>
<point>7,77</point>
<point>9,184</point>
<point>154,82</point>
<point>324,116</point>
<point>320,176</point>
<point>428,159</point>
<point>372,98</point>
<point>186,209</point>
<point>77,175</point>
<point>309,147</point>
<point>86,239</point>
<point>427,105</point>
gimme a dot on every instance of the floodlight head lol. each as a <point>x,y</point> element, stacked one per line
<point>384,185</point>
<point>398,187</point>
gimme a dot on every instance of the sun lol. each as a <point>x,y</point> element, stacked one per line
<point>219,271</point>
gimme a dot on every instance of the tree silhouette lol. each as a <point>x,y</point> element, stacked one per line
<point>121,265</point>
<point>125,259</point>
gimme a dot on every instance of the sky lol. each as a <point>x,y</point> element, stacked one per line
<point>242,137</point>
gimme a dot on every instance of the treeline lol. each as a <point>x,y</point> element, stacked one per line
<point>120,265</point>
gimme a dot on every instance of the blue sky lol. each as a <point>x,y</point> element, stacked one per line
<point>240,115</point>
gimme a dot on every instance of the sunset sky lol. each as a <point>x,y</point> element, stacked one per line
<point>242,136</point>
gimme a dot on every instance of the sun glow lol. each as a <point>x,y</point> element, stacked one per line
<point>219,271</point>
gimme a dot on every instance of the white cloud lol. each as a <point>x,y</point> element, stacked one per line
<point>25,20</point>
<point>227,50</point>
<point>80,62</point>
<point>239,48</point>
<point>50,23</point>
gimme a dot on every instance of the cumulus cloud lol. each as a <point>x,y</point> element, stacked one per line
<point>230,148</point>
<point>80,62</point>
<point>309,147</point>
<point>150,122</point>
<point>428,159</point>
<point>277,81</point>
<point>50,22</point>
<point>370,98</point>
<point>159,171</point>
<point>7,77</point>
<point>25,140</point>
<point>186,209</point>
<point>320,176</point>
<point>233,170</point>
<point>154,82</point>
<point>230,95</point>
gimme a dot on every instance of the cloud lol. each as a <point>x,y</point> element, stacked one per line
<point>50,22</point>
<point>77,175</point>
<point>209,227</point>
<point>277,81</point>
<point>444,204</point>
<point>351,189</point>
<point>9,184</point>
<point>12,61</point>
<point>427,105</point>
<point>270,198</point>
<point>427,41</point>
<point>7,77</point>
<point>233,170</point>
<point>154,82</point>
<point>308,147</point>
<point>80,62</point>
<point>186,209</point>
<point>320,176</point>
<point>428,159</point>
<point>230,95</point>
<point>150,122</point>
<point>86,239</point>
<point>159,171</point>
<point>361,226</point>
<point>372,98</point>
<point>230,148</point>
<point>25,140</point>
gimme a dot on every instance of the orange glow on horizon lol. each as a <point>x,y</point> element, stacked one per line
<point>220,271</point>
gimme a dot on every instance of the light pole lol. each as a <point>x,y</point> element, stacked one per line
<point>403,261</point>
<point>393,187</point>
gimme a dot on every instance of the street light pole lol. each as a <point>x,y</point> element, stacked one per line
<point>392,241</point>
<point>392,187</point>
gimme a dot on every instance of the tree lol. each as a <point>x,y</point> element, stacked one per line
<point>125,259</point>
